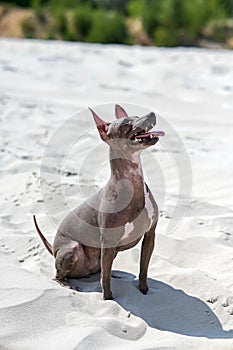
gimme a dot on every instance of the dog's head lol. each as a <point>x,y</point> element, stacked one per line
<point>133,132</point>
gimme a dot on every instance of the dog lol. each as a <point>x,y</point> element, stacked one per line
<point>116,217</point>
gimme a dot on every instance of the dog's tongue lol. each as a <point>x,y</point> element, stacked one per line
<point>153,133</point>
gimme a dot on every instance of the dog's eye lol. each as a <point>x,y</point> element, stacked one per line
<point>125,122</point>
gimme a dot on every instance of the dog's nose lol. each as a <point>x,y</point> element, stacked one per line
<point>152,118</point>
<point>147,121</point>
<point>149,118</point>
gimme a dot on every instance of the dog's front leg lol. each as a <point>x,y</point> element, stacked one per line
<point>107,256</point>
<point>146,252</point>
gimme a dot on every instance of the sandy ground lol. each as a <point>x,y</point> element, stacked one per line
<point>190,302</point>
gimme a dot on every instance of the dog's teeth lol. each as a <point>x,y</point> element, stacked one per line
<point>151,136</point>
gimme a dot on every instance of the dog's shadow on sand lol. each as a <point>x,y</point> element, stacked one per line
<point>164,307</point>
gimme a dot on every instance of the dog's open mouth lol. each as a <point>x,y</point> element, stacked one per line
<point>144,135</point>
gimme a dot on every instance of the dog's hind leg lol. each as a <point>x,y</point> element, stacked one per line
<point>69,264</point>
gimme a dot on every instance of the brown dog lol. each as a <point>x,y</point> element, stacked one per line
<point>116,217</point>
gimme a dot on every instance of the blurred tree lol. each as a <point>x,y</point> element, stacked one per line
<point>228,7</point>
<point>26,3</point>
<point>177,22</point>
<point>118,5</point>
<point>162,22</point>
<point>82,20</point>
<point>147,11</point>
<point>108,27</point>
<point>23,3</point>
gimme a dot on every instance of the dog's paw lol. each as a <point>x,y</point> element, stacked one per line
<point>63,282</point>
<point>143,288</point>
<point>108,296</point>
<point>75,289</point>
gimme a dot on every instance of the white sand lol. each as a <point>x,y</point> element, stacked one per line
<point>190,302</point>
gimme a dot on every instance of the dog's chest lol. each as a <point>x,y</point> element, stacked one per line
<point>149,206</point>
<point>144,221</point>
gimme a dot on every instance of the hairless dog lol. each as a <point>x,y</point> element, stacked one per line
<point>118,216</point>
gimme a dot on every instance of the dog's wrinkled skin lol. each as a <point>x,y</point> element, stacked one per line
<point>115,218</point>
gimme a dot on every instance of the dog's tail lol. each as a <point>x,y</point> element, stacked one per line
<point>48,246</point>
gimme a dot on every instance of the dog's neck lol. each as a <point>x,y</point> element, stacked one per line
<point>125,166</point>
<point>127,179</point>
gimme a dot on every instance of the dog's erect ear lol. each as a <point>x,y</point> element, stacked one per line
<point>101,125</point>
<point>120,112</point>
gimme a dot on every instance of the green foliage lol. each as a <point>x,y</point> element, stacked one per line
<point>28,29</point>
<point>164,22</point>
<point>107,27</point>
<point>116,5</point>
<point>147,11</point>
<point>26,3</point>
<point>227,6</point>
<point>82,20</point>
<point>177,22</point>
<point>161,36</point>
<point>61,25</point>
<point>136,8</point>
<point>220,31</point>
<point>196,14</point>
<point>23,3</point>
